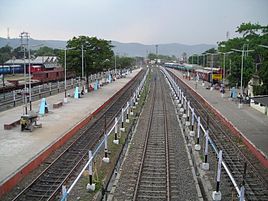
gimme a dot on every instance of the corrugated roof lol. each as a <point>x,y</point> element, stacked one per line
<point>37,60</point>
<point>16,61</point>
<point>261,99</point>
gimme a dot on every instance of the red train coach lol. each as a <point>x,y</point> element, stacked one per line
<point>205,74</point>
<point>48,76</point>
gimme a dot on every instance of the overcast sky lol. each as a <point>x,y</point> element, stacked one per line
<point>143,21</point>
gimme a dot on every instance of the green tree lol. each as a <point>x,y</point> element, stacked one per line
<point>124,62</point>
<point>249,29</point>
<point>5,54</point>
<point>255,63</point>
<point>45,51</point>
<point>97,54</point>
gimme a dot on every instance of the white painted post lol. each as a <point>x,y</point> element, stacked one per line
<point>64,193</point>
<point>192,124</point>
<point>90,185</point>
<point>106,159</point>
<point>184,116</point>
<point>58,86</point>
<point>127,118</point>
<point>216,195</point>
<point>131,106</point>
<point>187,123</point>
<point>197,145</point>
<point>122,121</point>
<point>242,194</point>
<point>205,165</point>
<point>14,98</point>
<point>137,95</point>
<point>50,88</point>
<point>116,141</point>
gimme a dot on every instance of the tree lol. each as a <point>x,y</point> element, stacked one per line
<point>124,62</point>
<point>45,51</point>
<point>5,54</point>
<point>255,63</point>
<point>97,54</point>
<point>249,29</point>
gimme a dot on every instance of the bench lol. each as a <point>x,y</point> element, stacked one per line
<point>57,104</point>
<point>11,125</point>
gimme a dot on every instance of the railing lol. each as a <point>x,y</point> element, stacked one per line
<point>130,103</point>
<point>179,93</point>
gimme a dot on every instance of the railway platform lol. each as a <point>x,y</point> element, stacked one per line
<point>21,152</point>
<point>252,124</point>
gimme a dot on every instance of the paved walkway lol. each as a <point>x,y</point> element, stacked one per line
<point>19,148</point>
<point>250,122</point>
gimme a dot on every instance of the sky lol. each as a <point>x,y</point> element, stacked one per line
<point>143,21</point>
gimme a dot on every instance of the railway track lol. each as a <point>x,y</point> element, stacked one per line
<point>157,175</point>
<point>61,171</point>
<point>256,182</point>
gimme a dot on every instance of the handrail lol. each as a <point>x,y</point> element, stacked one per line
<point>139,88</point>
<point>174,86</point>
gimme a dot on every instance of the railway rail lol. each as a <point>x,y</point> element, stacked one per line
<point>151,184</point>
<point>47,185</point>
<point>256,182</point>
<point>158,177</point>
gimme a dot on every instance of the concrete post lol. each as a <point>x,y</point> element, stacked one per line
<point>90,185</point>
<point>216,195</point>
<point>50,88</point>
<point>122,121</point>
<point>192,124</point>
<point>14,98</point>
<point>116,141</point>
<point>205,165</point>
<point>127,118</point>
<point>106,159</point>
<point>187,123</point>
<point>64,193</point>
<point>197,145</point>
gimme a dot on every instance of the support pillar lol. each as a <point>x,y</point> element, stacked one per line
<point>122,121</point>
<point>116,140</point>
<point>205,165</point>
<point>90,186</point>
<point>106,159</point>
<point>216,195</point>
<point>197,146</point>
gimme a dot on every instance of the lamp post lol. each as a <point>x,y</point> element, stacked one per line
<point>224,75</point>
<point>29,73</point>
<point>115,63</point>
<point>211,67</point>
<point>24,36</point>
<point>82,62</point>
<point>65,89</point>
<point>243,51</point>
<point>204,57</point>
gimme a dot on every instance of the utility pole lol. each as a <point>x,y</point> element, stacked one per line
<point>24,36</point>
<point>82,62</point>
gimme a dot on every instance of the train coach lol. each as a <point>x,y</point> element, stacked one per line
<point>207,73</point>
<point>11,69</point>
<point>49,76</point>
<point>178,66</point>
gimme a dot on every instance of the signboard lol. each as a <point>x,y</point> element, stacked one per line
<point>217,76</point>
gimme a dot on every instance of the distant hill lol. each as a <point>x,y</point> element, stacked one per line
<point>127,49</point>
